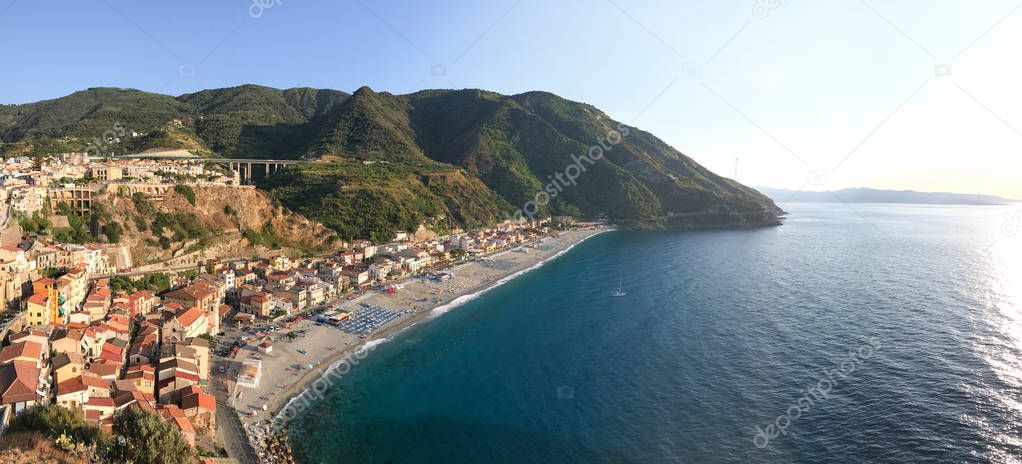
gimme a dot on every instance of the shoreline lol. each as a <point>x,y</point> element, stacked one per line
<point>473,279</point>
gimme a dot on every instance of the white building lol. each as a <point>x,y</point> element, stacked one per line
<point>228,279</point>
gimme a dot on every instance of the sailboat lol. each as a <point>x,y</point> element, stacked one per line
<point>618,292</point>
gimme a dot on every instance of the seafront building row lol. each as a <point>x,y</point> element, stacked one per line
<point>81,344</point>
<point>75,337</point>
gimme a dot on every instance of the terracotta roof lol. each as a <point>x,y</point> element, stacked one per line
<point>114,348</point>
<point>141,294</point>
<point>139,374</point>
<point>189,293</point>
<point>95,382</point>
<point>183,424</point>
<point>173,306</point>
<point>18,381</point>
<point>171,410</point>
<point>188,316</point>
<point>101,402</point>
<point>178,363</point>
<point>145,405</point>
<point>72,385</point>
<point>198,400</point>
<point>186,375</point>
<point>125,385</point>
<point>38,298</point>
<point>26,349</point>
<point>63,359</point>
<point>109,355</point>
<point>103,370</point>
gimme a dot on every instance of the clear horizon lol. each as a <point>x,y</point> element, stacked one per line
<point>901,96</point>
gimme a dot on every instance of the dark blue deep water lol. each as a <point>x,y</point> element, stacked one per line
<point>884,334</point>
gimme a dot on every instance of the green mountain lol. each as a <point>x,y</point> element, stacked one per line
<point>447,158</point>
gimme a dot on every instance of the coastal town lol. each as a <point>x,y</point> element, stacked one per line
<point>218,348</point>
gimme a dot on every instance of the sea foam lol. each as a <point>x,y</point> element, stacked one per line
<point>461,300</point>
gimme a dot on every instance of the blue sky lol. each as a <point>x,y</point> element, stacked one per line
<point>817,95</point>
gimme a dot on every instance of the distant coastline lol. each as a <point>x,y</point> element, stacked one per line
<point>868,195</point>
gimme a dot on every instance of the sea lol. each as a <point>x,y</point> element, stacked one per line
<point>851,334</point>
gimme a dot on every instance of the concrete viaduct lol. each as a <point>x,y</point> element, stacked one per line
<point>247,169</point>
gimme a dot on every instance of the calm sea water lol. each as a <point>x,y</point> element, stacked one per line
<point>879,334</point>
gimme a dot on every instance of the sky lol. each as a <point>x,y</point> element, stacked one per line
<point>814,95</point>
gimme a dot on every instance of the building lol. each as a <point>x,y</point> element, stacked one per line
<point>250,373</point>
<point>202,295</point>
<point>142,302</point>
<point>200,408</point>
<point>66,366</point>
<point>67,341</point>
<point>37,310</point>
<point>26,351</point>
<point>28,200</point>
<point>143,376</point>
<point>258,304</point>
<point>72,393</point>
<point>357,275</point>
<point>105,172</point>
<point>19,385</point>
<point>187,323</point>
<point>78,198</point>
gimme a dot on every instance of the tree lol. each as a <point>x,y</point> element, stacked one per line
<point>54,420</point>
<point>142,204</point>
<point>113,232</point>
<point>148,438</point>
<point>187,192</point>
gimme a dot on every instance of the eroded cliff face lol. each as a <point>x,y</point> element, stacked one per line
<point>224,222</point>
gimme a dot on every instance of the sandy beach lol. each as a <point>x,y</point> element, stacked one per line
<point>286,373</point>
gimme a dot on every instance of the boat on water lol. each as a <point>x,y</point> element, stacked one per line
<point>618,292</point>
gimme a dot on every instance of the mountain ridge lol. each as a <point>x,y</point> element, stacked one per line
<point>417,154</point>
<point>872,195</point>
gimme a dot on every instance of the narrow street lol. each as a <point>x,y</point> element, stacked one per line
<point>229,429</point>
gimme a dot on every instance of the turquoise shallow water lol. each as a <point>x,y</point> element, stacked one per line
<point>722,333</point>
